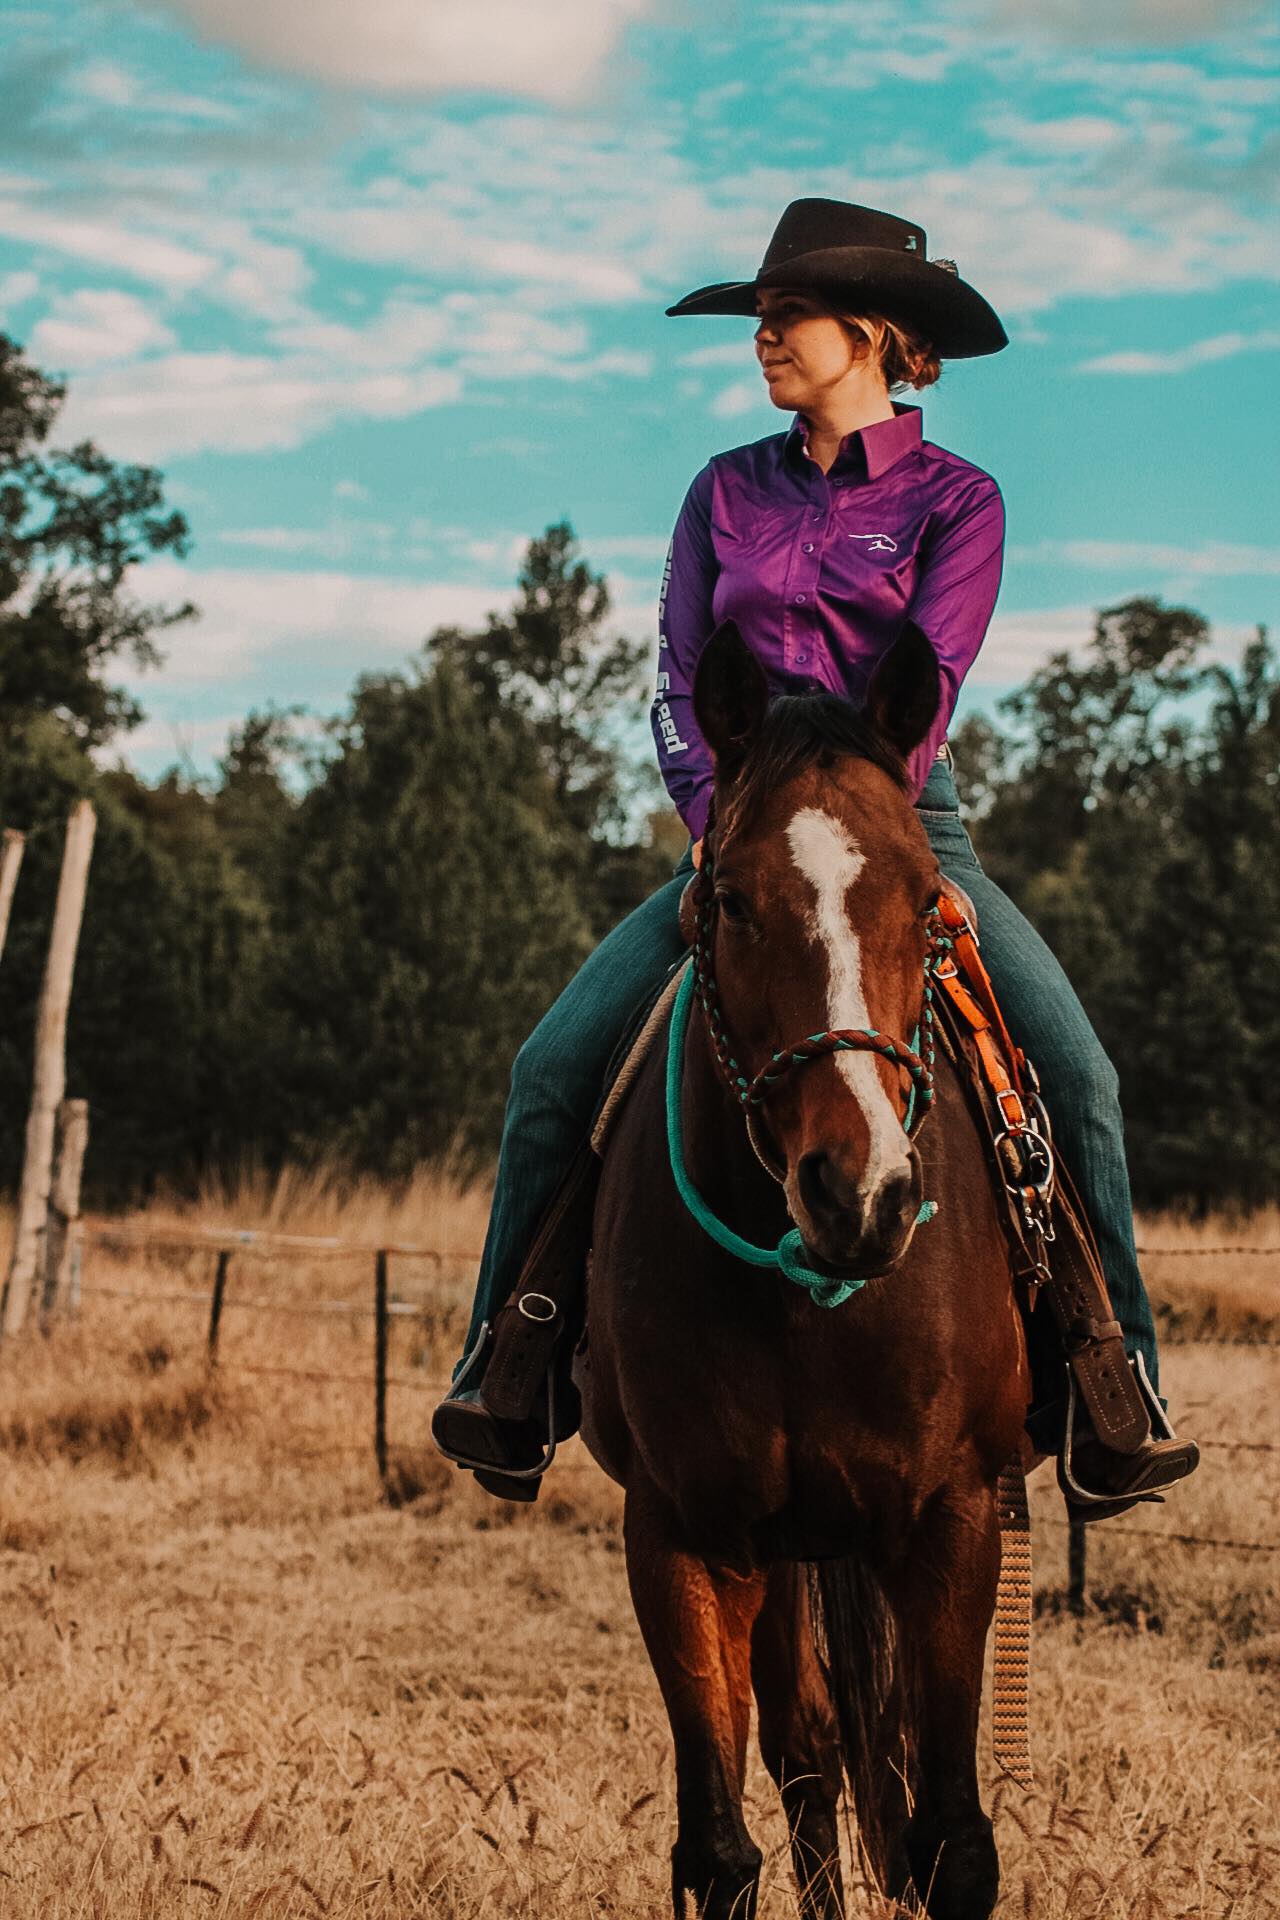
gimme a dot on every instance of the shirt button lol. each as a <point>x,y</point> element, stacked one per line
<point>801,659</point>
<point>800,599</point>
<point>807,547</point>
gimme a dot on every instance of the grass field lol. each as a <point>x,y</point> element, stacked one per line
<point>238,1682</point>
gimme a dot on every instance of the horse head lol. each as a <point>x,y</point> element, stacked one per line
<point>821,885</point>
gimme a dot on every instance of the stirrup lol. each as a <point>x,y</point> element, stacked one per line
<point>1177,1462</point>
<point>508,1482</point>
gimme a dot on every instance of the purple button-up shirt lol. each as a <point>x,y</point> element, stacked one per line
<point>820,572</point>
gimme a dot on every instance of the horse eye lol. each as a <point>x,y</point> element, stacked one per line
<point>733,907</point>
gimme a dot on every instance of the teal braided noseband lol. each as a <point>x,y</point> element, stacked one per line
<point>789,1254</point>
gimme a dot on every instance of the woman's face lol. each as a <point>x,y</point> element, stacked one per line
<point>803,350</point>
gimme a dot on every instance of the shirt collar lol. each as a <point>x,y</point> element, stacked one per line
<point>881,445</point>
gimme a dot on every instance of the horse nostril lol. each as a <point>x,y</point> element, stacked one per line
<point>824,1189</point>
<point>897,1197</point>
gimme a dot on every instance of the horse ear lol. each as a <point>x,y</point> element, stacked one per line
<point>905,689</point>
<point>730,695</point>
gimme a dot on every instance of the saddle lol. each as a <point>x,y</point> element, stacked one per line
<point>528,1377</point>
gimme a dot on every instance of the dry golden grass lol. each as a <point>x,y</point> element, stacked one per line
<point>1186,1281</point>
<point>239,1683</point>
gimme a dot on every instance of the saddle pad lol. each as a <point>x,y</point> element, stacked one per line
<point>630,1057</point>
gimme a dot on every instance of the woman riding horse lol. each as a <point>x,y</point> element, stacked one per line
<point>822,543</point>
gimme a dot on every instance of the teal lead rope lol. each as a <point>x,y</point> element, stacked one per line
<point>789,1255</point>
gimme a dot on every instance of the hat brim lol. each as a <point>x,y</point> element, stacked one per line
<point>953,316</point>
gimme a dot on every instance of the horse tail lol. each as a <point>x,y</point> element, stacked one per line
<point>856,1639</point>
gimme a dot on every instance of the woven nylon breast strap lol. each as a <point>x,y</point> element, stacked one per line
<point>1011,1666</point>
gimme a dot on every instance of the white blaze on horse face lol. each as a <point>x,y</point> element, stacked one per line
<point>830,859</point>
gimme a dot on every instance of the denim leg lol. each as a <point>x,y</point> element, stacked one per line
<point>556,1080</point>
<point>1081,1088</point>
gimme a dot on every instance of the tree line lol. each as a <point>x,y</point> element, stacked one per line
<point>332,948</point>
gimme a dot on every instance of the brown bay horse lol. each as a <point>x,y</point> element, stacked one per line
<point>811,1494</point>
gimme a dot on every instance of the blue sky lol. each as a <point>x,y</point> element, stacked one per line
<point>382,299</point>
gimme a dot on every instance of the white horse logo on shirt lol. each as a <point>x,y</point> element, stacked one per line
<point>877,542</point>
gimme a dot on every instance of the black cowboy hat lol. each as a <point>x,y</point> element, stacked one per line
<point>861,260</point>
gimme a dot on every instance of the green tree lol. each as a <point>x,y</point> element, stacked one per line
<point>165,1037</point>
<point>1131,812</point>
<point>425,922</point>
<point>160,1037</point>
<point>579,688</point>
<point>73,523</point>
<point>270,761</point>
<point>1084,731</point>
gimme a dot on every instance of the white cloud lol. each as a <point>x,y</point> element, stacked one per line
<point>1200,353</point>
<point>405,225</point>
<point>408,356</point>
<point>1154,180</point>
<point>1077,133</point>
<point>106,243</point>
<point>107,82</point>
<point>630,546</point>
<point>182,403</point>
<point>1217,559</point>
<point>1193,88</point>
<point>1018,643</point>
<point>301,637</point>
<point>395,336</point>
<point>1141,22</point>
<point>419,541</point>
<point>553,50</point>
<point>180,739</point>
<point>345,540</point>
<point>228,260</point>
<point>574,211</point>
<point>501,340</point>
<point>866,42</point>
<point>255,274</point>
<point>270,631</point>
<point>93,326</point>
<point>725,353</point>
<point>1221,559</point>
<point>18,287</point>
<point>743,396</point>
<point>1029,236</point>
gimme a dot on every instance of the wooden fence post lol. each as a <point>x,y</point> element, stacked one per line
<point>381,1321</point>
<point>63,1228</point>
<point>1077,1537</point>
<point>50,1074</point>
<point>10,861</point>
<point>215,1305</point>
<point>76,1262</point>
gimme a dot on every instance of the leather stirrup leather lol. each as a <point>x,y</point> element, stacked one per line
<point>528,1330</point>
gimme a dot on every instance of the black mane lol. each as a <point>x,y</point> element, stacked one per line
<point>803,730</point>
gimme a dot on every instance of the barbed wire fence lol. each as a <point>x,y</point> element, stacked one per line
<point>379,1307</point>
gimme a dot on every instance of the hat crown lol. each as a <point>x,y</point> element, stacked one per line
<point>809,226</point>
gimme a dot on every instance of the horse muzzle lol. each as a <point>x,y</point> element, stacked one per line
<point>846,1227</point>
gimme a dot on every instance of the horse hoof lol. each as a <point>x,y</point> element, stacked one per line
<point>721,1887</point>
<point>956,1875</point>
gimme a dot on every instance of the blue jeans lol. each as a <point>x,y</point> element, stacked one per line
<point>556,1078</point>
